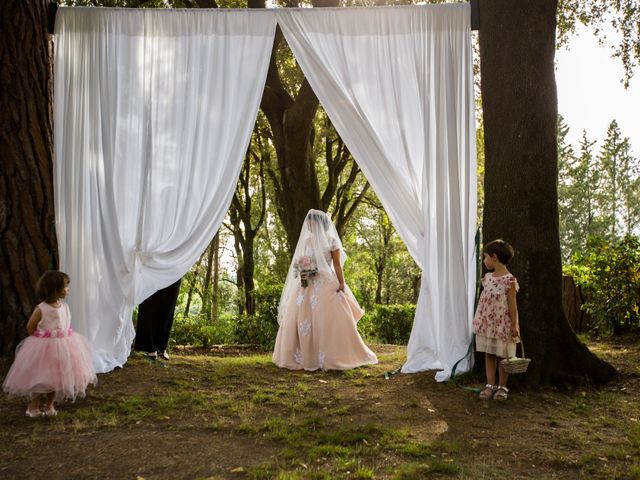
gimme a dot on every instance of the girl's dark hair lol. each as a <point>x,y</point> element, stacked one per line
<point>50,285</point>
<point>500,249</point>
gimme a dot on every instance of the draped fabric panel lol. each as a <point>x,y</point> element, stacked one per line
<point>153,113</point>
<point>397,84</point>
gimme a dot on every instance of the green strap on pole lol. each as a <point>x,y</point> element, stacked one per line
<point>387,375</point>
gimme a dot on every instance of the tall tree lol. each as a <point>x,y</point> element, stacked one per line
<point>291,107</point>
<point>578,178</point>
<point>569,198</point>
<point>343,178</point>
<point>27,238</point>
<point>519,99</point>
<point>376,232</point>
<point>247,213</point>
<point>587,176</point>
<point>291,117</point>
<point>617,183</point>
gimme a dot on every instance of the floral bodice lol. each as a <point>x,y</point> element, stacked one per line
<point>492,318</point>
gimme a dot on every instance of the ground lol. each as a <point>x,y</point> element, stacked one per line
<point>231,414</point>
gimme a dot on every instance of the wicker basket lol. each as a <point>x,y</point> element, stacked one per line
<point>516,364</point>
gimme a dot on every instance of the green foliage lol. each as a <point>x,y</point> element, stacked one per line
<point>619,183</point>
<point>198,331</point>
<point>622,17</point>
<point>379,269</point>
<point>388,323</point>
<point>256,329</point>
<point>598,196</point>
<point>260,328</point>
<point>609,273</point>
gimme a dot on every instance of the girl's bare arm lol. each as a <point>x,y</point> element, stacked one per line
<point>36,316</point>
<point>513,311</point>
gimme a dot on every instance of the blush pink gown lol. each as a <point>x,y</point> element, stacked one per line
<point>319,329</point>
<point>53,359</point>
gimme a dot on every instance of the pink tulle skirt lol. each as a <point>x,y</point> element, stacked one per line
<point>62,365</point>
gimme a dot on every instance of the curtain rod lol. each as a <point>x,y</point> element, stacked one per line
<point>475,15</point>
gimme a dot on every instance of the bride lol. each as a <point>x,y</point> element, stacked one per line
<point>317,312</point>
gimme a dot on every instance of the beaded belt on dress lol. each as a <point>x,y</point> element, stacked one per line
<point>57,333</point>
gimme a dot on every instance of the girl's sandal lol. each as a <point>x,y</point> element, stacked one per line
<point>487,392</point>
<point>51,412</point>
<point>501,394</point>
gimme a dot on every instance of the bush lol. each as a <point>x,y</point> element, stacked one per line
<point>609,274</point>
<point>197,330</point>
<point>260,328</point>
<point>388,323</point>
<point>256,329</point>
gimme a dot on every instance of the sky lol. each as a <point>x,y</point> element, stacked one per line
<point>590,92</point>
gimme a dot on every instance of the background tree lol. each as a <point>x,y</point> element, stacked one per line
<point>578,178</point>
<point>247,214</point>
<point>27,236</point>
<point>344,186</point>
<point>519,99</point>
<point>291,108</point>
<point>617,184</point>
<point>621,16</point>
<point>202,282</point>
<point>375,231</point>
<point>569,193</point>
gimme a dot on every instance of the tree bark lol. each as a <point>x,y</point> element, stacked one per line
<point>206,284</point>
<point>215,282</point>
<point>517,48</point>
<point>27,238</point>
<point>292,125</point>
<point>243,210</point>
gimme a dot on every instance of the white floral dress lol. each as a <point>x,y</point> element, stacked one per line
<point>492,323</point>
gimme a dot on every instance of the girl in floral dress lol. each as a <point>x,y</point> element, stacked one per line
<point>496,321</point>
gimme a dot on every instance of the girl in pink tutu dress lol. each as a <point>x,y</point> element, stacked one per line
<point>496,321</point>
<point>54,360</point>
<point>318,314</point>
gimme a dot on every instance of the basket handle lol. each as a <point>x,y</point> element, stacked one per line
<point>521,347</point>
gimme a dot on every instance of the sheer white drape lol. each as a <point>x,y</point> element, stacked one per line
<point>153,113</point>
<point>397,84</point>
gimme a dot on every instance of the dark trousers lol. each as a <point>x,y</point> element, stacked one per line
<point>155,318</point>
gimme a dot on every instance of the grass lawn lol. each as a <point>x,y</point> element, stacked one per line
<point>231,414</point>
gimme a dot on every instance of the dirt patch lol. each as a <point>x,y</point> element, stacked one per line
<point>228,412</point>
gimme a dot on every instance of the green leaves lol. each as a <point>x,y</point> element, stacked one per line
<point>609,274</point>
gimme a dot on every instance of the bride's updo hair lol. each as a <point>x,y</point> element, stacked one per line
<point>320,218</point>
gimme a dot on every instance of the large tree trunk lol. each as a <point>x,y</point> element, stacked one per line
<point>291,123</point>
<point>27,237</point>
<point>292,126</point>
<point>517,48</point>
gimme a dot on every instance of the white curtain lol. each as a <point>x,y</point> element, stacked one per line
<point>397,84</point>
<point>153,112</point>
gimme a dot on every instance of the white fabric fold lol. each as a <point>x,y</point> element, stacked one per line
<point>153,112</point>
<point>397,84</point>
